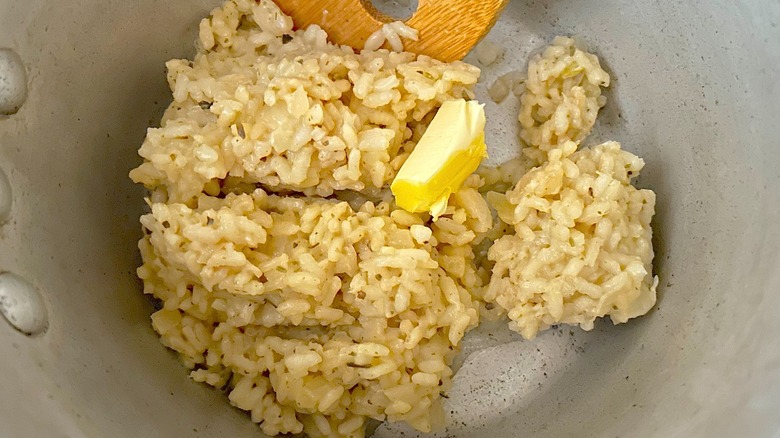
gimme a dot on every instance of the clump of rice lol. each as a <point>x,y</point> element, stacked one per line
<point>314,315</point>
<point>287,109</point>
<point>562,98</point>
<point>581,244</point>
<point>391,33</point>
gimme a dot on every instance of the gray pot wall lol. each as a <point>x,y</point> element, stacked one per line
<point>695,93</point>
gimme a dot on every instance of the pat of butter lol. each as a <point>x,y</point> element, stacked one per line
<point>449,151</point>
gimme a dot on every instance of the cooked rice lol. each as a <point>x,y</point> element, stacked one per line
<point>289,110</point>
<point>391,33</point>
<point>562,98</point>
<point>357,313</point>
<point>574,240</point>
<point>313,314</point>
<point>581,247</point>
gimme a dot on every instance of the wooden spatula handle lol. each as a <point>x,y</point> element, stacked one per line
<point>448,28</point>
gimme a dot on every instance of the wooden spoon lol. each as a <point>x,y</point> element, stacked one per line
<point>448,29</point>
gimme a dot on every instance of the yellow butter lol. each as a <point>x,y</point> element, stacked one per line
<point>449,151</point>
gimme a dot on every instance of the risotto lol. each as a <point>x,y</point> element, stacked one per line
<point>562,98</point>
<point>581,243</point>
<point>314,314</point>
<point>289,110</point>
<point>287,276</point>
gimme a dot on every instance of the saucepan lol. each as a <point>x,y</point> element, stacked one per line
<point>695,93</point>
